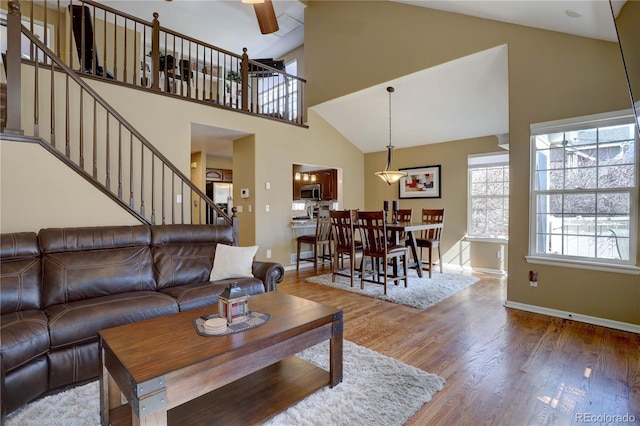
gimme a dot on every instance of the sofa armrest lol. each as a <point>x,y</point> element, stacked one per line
<point>271,273</point>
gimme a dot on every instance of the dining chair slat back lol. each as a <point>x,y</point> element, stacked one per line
<point>430,238</point>
<point>345,245</point>
<point>375,245</point>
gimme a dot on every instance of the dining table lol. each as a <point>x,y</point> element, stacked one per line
<point>411,228</point>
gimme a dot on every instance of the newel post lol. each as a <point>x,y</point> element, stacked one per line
<point>245,80</point>
<point>14,70</point>
<point>155,53</point>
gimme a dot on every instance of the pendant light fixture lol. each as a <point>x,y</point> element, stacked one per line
<point>390,175</point>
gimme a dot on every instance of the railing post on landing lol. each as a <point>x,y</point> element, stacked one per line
<point>245,79</point>
<point>14,70</point>
<point>235,223</point>
<point>155,53</point>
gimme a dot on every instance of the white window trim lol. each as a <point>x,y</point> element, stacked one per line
<point>595,120</point>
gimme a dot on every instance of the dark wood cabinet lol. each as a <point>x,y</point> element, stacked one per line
<point>329,180</point>
<point>297,184</point>
<point>220,175</point>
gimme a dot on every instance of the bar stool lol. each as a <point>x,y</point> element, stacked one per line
<point>322,238</point>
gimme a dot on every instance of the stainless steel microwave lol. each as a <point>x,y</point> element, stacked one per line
<point>311,192</point>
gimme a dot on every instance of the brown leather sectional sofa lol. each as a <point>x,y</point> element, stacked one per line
<point>63,285</point>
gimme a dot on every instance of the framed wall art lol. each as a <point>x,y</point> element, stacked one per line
<point>421,182</point>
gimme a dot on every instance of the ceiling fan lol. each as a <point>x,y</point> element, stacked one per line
<point>266,15</point>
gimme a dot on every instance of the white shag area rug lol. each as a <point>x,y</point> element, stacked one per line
<point>376,389</point>
<point>420,292</point>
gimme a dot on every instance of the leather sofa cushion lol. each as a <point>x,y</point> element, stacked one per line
<point>56,240</point>
<point>25,384</point>
<point>19,245</point>
<point>20,276</point>
<point>183,254</point>
<point>74,364</point>
<point>79,322</point>
<point>80,263</point>
<point>20,284</point>
<point>180,265</point>
<point>77,276</point>
<point>191,296</point>
<point>24,336</point>
<point>162,235</point>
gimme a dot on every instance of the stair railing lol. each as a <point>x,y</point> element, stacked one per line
<point>105,43</point>
<point>75,123</point>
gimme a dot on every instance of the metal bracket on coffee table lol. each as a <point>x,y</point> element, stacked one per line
<point>150,404</point>
<point>338,324</point>
<point>156,399</point>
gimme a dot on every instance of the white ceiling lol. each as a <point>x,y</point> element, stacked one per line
<point>422,111</point>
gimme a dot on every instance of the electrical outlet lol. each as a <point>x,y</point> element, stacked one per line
<point>267,208</point>
<point>268,253</point>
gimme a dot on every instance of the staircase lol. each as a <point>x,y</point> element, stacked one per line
<point>76,125</point>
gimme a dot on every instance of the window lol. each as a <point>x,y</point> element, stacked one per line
<point>585,189</point>
<point>488,203</point>
<point>280,96</point>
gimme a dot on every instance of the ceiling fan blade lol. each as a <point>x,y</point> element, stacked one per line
<point>266,17</point>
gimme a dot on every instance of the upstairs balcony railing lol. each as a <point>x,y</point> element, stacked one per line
<point>104,43</point>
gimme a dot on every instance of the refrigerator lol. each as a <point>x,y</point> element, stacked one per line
<point>222,195</point>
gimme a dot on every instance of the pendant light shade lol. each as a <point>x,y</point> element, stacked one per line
<point>390,175</point>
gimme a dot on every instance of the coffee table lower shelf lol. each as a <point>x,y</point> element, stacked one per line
<point>252,399</point>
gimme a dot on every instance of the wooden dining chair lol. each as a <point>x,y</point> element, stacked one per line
<point>345,245</point>
<point>404,215</point>
<point>375,245</point>
<point>430,238</point>
<point>321,238</point>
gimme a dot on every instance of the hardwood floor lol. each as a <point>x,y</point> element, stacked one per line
<point>502,366</point>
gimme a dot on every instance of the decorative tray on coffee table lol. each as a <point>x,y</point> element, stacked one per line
<point>253,320</point>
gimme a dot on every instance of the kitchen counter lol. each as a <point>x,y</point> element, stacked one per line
<point>303,223</point>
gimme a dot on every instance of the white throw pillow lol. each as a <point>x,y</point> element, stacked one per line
<point>232,262</point>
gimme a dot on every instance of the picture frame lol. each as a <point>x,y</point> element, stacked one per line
<point>421,182</point>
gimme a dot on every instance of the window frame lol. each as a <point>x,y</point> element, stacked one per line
<point>584,262</point>
<point>501,159</point>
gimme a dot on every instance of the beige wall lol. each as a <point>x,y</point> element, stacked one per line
<point>38,191</point>
<point>551,76</point>
<point>219,163</point>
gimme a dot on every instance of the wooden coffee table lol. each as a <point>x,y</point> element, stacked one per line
<point>169,374</point>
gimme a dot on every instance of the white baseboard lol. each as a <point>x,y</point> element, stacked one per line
<point>490,271</point>
<point>624,326</point>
